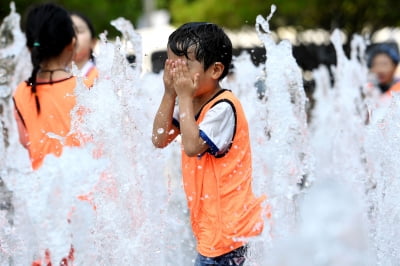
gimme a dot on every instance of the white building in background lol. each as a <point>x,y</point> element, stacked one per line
<point>155,29</point>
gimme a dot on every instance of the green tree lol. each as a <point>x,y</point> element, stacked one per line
<point>100,12</point>
<point>353,16</point>
<point>231,14</point>
<point>349,15</point>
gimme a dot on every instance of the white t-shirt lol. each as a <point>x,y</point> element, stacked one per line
<point>217,127</point>
<point>87,67</point>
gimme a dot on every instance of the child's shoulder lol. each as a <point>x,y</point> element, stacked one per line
<point>22,87</point>
<point>226,94</point>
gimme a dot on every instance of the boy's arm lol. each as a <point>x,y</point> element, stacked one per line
<point>185,87</point>
<point>163,129</point>
<point>193,144</point>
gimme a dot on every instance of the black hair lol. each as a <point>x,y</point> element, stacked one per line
<point>388,48</point>
<point>87,21</point>
<point>210,42</point>
<point>48,30</point>
<point>90,26</point>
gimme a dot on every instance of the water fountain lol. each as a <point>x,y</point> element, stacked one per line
<point>331,185</point>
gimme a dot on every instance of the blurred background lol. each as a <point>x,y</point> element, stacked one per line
<point>353,16</point>
<point>306,23</point>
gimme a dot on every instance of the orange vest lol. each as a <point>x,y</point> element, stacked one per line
<point>223,208</point>
<point>91,75</point>
<point>395,87</point>
<point>56,102</point>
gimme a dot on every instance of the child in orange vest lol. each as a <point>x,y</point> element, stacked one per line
<point>383,59</point>
<point>43,103</point>
<point>216,156</point>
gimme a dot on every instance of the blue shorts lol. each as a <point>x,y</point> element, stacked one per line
<point>234,258</point>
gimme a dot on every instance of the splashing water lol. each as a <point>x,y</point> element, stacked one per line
<point>286,127</point>
<point>331,185</point>
<point>12,69</point>
<point>12,51</point>
<point>132,37</point>
<point>381,145</point>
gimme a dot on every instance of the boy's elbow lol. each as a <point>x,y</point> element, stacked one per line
<point>191,151</point>
<point>158,143</point>
<point>191,154</point>
<point>159,146</point>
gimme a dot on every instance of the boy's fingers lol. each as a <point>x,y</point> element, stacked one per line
<point>179,68</point>
<point>196,80</point>
<point>185,69</point>
<point>167,67</point>
<point>173,72</point>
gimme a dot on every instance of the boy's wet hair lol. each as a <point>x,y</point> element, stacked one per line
<point>210,43</point>
<point>48,30</point>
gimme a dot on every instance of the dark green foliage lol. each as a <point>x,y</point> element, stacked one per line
<point>350,15</point>
<point>100,12</point>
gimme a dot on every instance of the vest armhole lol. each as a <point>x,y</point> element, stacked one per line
<point>215,96</point>
<point>19,113</point>
<point>176,123</point>
<point>234,128</point>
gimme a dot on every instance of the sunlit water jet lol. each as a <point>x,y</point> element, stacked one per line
<point>136,212</point>
<point>382,151</point>
<point>12,50</point>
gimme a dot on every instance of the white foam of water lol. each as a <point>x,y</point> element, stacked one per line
<point>140,214</point>
<point>13,53</point>
<point>382,140</point>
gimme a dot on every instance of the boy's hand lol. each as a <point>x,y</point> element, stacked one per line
<point>168,78</point>
<point>185,85</point>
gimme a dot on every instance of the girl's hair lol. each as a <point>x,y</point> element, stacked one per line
<point>90,26</point>
<point>87,21</point>
<point>48,30</point>
<point>210,43</point>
